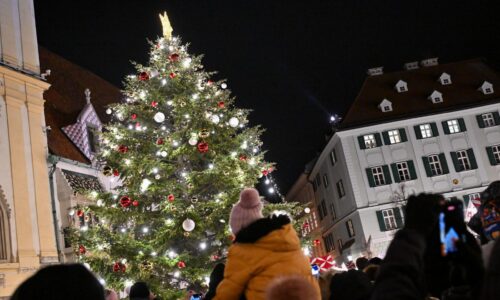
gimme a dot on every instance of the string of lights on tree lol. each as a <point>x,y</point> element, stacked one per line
<point>181,153</point>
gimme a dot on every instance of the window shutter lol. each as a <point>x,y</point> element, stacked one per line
<point>496,116</point>
<point>480,121</point>
<point>395,173</point>
<point>361,141</point>
<point>402,134</point>
<point>446,129</point>
<point>472,158</point>
<point>369,174</point>
<point>434,129</point>
<point>461,123</point>
<point>385,136</point>
<point>411,167</point>
<point>380,219</point>
<point>378,139</point>
<point>387,175</point>
<point>454,158</point>
<point>444,163</point>
<point>398,216</point>
<point>491,156</point>
<point>418,133</point>
<point>427,167</point>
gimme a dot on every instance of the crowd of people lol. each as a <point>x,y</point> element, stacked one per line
<point>266,262</point>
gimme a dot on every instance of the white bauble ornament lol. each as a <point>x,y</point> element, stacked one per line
<point>223,86</point>
<point>154,73</point>
<point>233,122</point>
<point>215,119</point>
<point>163,154</point>
<point>193,141</point>
<point>188,225</point>
<point>109,111</point>
<point>159,117</point>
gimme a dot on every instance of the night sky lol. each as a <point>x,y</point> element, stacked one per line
<point>293,62</point>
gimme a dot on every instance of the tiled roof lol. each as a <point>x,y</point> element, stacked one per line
<point>81,183</point>
<point>466,77</point>
<point>65,99</point>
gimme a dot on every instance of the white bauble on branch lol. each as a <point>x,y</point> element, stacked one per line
<point>159,117</point>
<point>188,225</point>
<point>233,122</point>
<point>215,119</point>
<point>193,141</point>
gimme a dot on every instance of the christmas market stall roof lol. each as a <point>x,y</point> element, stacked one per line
<point>466,78</point>
<point>65,99</point>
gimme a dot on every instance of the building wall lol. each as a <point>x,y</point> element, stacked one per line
<point>23,147</point>
<point>363,201</point>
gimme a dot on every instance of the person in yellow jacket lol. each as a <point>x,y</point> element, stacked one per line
<point>264,249</point>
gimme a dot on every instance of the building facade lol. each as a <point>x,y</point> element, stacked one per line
<point>27,238</point>
<point>431,128</point>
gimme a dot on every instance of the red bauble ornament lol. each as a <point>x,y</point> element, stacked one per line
<point>172,75</point>
<point>159,141</point>
<point>116,173</point>
<point>119,267</point>
<point>306,225</point>
<point>173,57</point>
<point>243,157</point>
<point>265,172</point>
<point>122,149</point>
<point>209,82</point>
<point>181,264</point>
<point>154,104</point>
<point>79,213</point>
<point>133,116</point>
<point>125,201</point>
<point>221,104</point>
<point>171,198</point>
<point>202,147</point>
<point>143,76</point>
<point>82,249</point>
<point>135,203</point>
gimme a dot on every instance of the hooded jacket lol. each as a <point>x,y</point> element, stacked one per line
<point>266,249</point>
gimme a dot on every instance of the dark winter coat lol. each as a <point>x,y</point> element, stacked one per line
<point>264,250</point>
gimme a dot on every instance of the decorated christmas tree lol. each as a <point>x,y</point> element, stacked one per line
<point>182,153</point>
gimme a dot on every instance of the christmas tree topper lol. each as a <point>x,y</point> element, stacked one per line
<point>165,23</point>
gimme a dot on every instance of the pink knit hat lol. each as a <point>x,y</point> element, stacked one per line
<point>246,211</point>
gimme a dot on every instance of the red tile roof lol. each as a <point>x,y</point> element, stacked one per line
<point>65,99</point>
<point>466,77</point>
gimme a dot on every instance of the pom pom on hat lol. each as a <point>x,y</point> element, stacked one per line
<point>246,211</point>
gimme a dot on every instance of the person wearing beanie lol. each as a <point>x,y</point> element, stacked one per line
<point>140,291</point>
<point>263,249</point>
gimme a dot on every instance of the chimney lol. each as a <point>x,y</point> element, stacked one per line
<point>411,65</point>
<point>429,62</point>
<point>375,71</point>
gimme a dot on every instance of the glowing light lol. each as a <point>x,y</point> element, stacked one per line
<point>145,229</point>
<point>307,210</point>
<point>170,102</point>
<point>349,257</point>
<point>207,280</point>
<point>195,96</point>
<point>84,228</point>
<point>172,254</point>
<point>306,251</point>
<point>155,170</point>
<point>163,81</point>
<point>145,184</point>
<point>130,126</point>
<point>210,166</point>
<point>164,128</point>
<point>271,190</point>
<point>124,261</point>
<point>154,253</point>
<point>163,153</point>
<point>127,162</point>
<point>169,221</point>
<point>332,119</point>
<point>186,62</point>
<point>203,245</point>
<point>100,247</point>
<point>222,221</point>
<point>142,94</point>
<point>100,203</point>
<point>233,154</point>
<point>177,274</point>
<point>267,181</point>
<point>255,150</point>
<point>109,111</point>
<point>140,252</point>
<point>223,86</point>
<point>175,143</point>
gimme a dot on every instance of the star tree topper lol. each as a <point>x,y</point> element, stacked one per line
<point>167,28</point>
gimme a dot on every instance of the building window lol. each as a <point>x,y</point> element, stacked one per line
<point>387,108</point>
<point>453,126</point>
<point>463,160</point>
<point>435,165</point>
<point>378,176</point>
<point>394,137</point>
<point>4,233</point>
<point>446,81</point>
<point>488,90</point>
<point>426,130</point>
<point>403,171</point>
<point>92,139</point>
<point>370,141</point>
<point>494,154</point>
<point>333,157</point>
<point>332,210</point>
<point>315,221</point>
<point>389,219</point>
<point>350,228</point>
<point>340,189</point>
<point>340,244</point>
<point>488,120</point>
<point>323,212</point>
<point>329,242</point>
<point>325,180</point>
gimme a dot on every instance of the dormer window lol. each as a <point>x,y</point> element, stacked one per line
<point>445,79</point>
<point>401,86</point>
<point>436,97</point>
<point>486,88</point>
<point>92,139</point>
<point>385,105</point>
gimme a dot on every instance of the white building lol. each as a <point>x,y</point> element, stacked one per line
<point>441,135</point>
